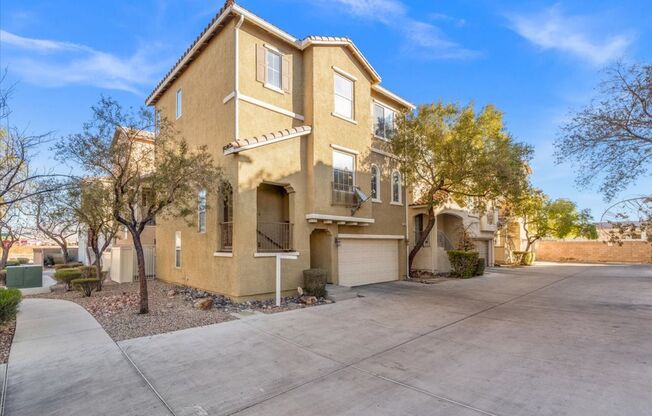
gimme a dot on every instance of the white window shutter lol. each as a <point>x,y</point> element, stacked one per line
<point>286,73</point>
<point>261,64</point>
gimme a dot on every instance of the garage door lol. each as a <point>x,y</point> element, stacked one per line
<point>361,262</point>
<point>482,246</point>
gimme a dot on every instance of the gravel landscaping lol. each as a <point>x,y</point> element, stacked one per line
<point>7,331</point>
<point>171,307</point>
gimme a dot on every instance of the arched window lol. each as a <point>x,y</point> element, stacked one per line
<point>396,187</point>
<point>375,183</point>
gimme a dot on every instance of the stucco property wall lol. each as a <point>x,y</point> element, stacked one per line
<point>594,251</point>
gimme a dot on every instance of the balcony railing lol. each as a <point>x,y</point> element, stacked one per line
<point>274,236</point>
<point>226,236</point>
<point>343,194</point>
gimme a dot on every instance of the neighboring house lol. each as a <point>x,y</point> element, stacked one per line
<point>451,222</point>
<point>510,237</point>
<point>120,258</point>
<point>297,125</point>
<point>625,231</point>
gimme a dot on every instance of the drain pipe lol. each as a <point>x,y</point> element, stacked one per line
<point>236,90</point>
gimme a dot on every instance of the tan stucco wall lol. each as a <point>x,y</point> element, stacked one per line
<point>594,251</point>
<point>302,165</point>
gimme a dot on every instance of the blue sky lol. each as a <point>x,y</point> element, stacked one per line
<point>535,60</point>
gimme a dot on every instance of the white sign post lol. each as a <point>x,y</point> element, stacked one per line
<point>279,257</point>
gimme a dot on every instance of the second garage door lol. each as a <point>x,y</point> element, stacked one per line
<point>361,262</point>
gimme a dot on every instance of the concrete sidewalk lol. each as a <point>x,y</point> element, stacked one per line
<point>63,363</point>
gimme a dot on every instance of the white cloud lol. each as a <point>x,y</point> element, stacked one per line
<point>577,35</point>
<point>54,63</point>
<point>424,38</point>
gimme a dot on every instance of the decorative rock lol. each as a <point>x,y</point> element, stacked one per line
<point>171,293</point>
<point>300,290</point>
<point>308,300</point>
<point>204,304</point>
<point>169,305</point>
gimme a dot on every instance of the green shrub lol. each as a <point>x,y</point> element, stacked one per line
<point>70,265</point>
<point>463,263</point>
<point>479,267</point>
<point>86,286</point>
<point>9,300</point>
<point>66,275</point>
<point>48,260</point>
<point>23,260</point>
<point>12,263</point>
<point>314,282</point>
<point>88,272</point>
<point>525,258</point>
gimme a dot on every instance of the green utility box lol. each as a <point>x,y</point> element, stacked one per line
<point>24,276</point>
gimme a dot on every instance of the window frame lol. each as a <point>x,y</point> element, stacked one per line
<point>385,109</point>
<point>398,201</point>
<point>201,211</point>
<point>375,181</point>
<point>179,103</point>
<point>177,249</point>
<point>269,51</point>
<point>337,74</point>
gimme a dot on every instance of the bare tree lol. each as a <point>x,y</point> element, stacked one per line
<point>55,220</point>
<point>149,175</point>
<point>611,139</point>
<point>12,226</point>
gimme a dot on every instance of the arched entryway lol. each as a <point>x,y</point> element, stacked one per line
<point>321,252</point>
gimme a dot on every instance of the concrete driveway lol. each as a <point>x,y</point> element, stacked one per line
<point>545,340</point>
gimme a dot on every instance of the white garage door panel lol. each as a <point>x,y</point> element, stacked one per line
<point>362,262</point>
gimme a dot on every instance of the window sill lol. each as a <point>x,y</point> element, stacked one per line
<point>382,138</point>
<point>376,201</point>
<point>399,204</point>
<point>276,253</point>
<point>223,254</point>
<point>273,88</point>
<point>350,120</point>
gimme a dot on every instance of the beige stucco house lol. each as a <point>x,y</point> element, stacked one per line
<point>298,126</point>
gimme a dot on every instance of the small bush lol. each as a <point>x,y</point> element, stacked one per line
<point>70,265</point>
<point>463,263</point>
<point>525,258</point>
<point>9,300</point>
<point>67,275</point>
<point>314,282</point>
<point>479,267</point>
<point>23,260</point>
<point>86,286</point>
<point>48,261</point>
<point>88,272</point>
<point>12,263</point>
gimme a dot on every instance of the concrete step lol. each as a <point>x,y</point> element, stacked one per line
<point>338,293</point>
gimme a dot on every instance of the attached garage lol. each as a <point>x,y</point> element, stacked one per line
<point>482,246</point>
<point>366,261</point>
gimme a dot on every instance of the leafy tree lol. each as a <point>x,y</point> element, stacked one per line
<point>147,176</point>
<point>91,202</point>
<point>451,153</point>
<point>545,218</point>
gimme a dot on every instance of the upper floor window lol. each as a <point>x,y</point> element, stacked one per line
<point>383,121</point>
<point>375,183</point>
<point>273,69</point>
<point>343,178</point>
<point>179,102</point>
<point>343,96</point>
<point>201,211</point>
<point>396,187</point>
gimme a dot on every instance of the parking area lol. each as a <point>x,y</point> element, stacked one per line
<point>545,340</point>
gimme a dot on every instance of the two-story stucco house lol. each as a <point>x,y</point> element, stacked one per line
<point>298,126</point>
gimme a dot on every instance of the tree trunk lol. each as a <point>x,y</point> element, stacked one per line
<point>66,254</point>
<point>424,235</point>
<point>98,269</point>
<point>5,256</point>
<point>140,256</point>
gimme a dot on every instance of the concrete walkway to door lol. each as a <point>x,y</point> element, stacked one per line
<point>62,363</point>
